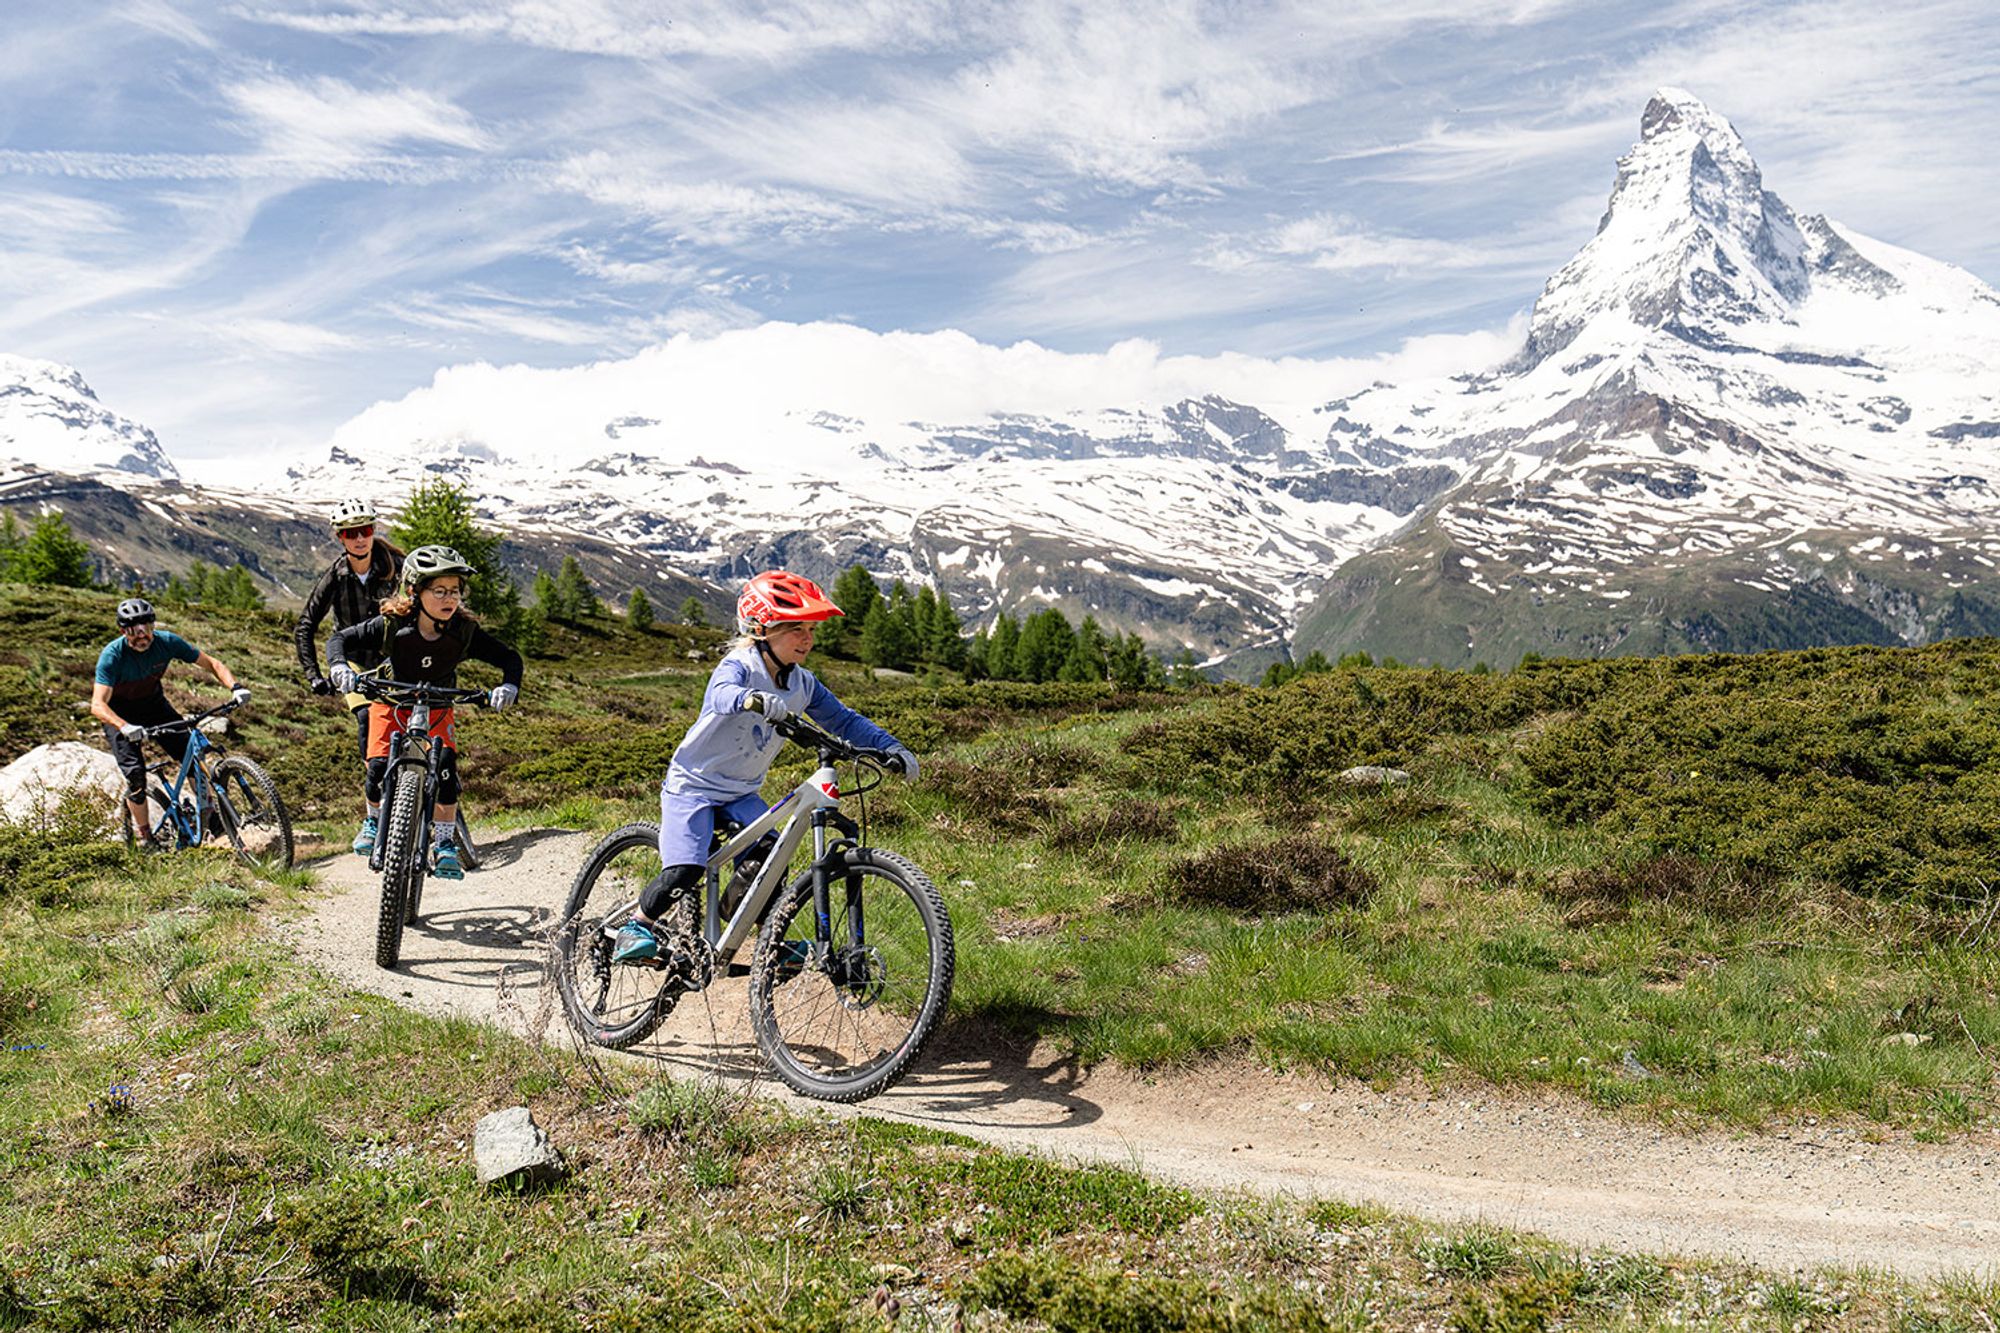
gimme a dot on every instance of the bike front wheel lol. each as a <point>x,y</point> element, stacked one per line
<point>843,1019</point>
<point>402,859</point>
<point>617,1004</point>
<point>251,812</point>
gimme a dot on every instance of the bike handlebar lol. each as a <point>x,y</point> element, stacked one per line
<point>417,691</point>
<point>802,730</point>
<point>191,722</point>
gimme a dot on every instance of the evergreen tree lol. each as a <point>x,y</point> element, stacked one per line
<point>1002,649</point>
<point>855,593</point>
<point>548,598</point>
<point>639,610</point>
<point>10,544</point>
<point>1086,660</point>
<point>1046,641</point>
<point>976,654</point>
<point>886,637</point>
<point>1126,660</point>
<point>946,645</point>
<point>1187,673</point>
<point>692,612</point>
<point>579,599</point>
<point>51,555</point>
<point>439,512</point>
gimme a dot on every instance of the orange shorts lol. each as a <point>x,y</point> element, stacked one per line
<point>385,721</point>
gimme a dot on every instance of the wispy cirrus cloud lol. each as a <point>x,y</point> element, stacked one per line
<point>328,120</point>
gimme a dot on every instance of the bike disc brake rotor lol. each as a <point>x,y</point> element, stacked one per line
<point>860,976</point>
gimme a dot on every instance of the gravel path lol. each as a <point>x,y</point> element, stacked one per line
<point>1816,1195</point>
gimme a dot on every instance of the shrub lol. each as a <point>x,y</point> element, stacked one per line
<point>1125,821</point>
<point>991,794</point>
<point>1064,1296</point>
<point>1298,872</point>
<point>1608,892</point>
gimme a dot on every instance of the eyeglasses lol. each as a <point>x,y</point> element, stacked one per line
<point>457,594</point>
<point>365,530</point>
<point>134,631</point>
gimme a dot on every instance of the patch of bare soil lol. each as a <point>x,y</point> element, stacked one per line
<point>1813,1195</point>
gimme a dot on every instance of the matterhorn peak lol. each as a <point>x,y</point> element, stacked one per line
<point>1691,242</point>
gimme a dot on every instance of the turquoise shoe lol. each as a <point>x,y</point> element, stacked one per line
<point>636,944</point>
<point>364,837</point>
<point>444,862</point>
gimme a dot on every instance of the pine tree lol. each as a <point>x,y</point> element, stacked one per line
<point>548,598</point>
<point>438,512</point>
<point>10,544</point>
<point>692,612</point>
<point>1086,659</point>
<point>51,555</point>
<point>1046,640</point>
<point>946,645</point>
<point>855,593</point>
<point>886,638</point>
<point>639,610</point>
<point>578,597</point>
<point>1003,649</point>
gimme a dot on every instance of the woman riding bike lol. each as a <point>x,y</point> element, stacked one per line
<point>721,762</point>
<point>423,636</point>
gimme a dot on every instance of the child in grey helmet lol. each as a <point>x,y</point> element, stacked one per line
<point>721,762</point>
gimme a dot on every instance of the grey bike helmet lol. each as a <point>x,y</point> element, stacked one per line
<point>351,514</point>
<point>428,562</point>
<point>134,611</point>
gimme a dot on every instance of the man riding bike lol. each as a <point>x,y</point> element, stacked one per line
<point>352,589</point>
<point>129,672</point>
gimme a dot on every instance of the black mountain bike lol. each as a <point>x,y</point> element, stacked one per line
<point>853,962</point>
<point>211,791</point>
<point>409,798</point>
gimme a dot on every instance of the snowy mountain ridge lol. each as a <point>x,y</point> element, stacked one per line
<point>1719,404</point>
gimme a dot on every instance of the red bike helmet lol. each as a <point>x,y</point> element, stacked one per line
<point>778,597</point>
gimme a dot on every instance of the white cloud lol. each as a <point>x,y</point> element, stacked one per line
<point>714,212</point>
<point>1328,241</point>
<point>327,120</point>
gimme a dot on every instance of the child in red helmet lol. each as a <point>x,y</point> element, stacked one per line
<point>722,760</point>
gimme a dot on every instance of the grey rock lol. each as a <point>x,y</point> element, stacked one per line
<point>1631,1064</point>
<point>508,1147</point>
<point>1371,775</point>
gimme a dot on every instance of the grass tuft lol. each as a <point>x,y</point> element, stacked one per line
<point>1295,873</point>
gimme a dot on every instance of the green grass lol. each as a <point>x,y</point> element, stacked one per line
<point>1166,879</point>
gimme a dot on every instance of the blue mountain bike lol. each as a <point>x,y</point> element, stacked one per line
<point>213,793</point>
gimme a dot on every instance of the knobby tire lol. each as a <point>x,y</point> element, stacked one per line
<point>402,858</point>
<point>615,1005</point>
<point>248,803</point>
<point>843,1032</point>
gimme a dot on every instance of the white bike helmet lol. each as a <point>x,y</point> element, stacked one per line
<point>351,514</point>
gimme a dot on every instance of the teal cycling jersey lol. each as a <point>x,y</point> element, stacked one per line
<point>136,675</point>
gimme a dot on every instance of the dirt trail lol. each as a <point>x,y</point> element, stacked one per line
<point>1814,1196</point>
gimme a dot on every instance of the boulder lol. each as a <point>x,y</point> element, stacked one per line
<point>33,785</point>
<point>509,1148</point>
<point>1371,775</point>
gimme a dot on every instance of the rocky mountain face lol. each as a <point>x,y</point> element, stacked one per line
<point>1731,426</point>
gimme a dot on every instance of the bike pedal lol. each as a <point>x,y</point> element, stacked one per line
<point>739,969</point>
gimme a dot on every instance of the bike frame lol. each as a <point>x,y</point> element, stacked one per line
<point>192,769</point>
<point>412,745</point>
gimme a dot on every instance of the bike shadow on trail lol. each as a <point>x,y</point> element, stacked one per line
<point>972,1074</point>
<point>472,946</point>
<point>505,849</point>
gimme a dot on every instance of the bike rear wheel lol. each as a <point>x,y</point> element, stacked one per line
<point>468,850</point>
<point>251,812</point>
<point>402,860</point>
<point>844,1023</point>
<point>617,1004</point>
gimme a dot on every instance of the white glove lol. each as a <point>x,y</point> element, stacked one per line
<point>771,706</point>
<point>902,756</point>
<point>132,732</point>
<point>241,694</point>
<point>502,695</point>
<point>343,679</point>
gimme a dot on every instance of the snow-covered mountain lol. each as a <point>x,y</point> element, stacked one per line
<point>1729,425</point>
<point>50,419</point>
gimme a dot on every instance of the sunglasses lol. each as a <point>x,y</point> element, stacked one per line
<point>366,530</point>
<point>132,631</point>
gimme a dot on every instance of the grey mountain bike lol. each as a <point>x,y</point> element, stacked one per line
<point>409,797</point>
<point>853,960</point>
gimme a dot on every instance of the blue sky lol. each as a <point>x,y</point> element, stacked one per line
<point>245,223</point>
